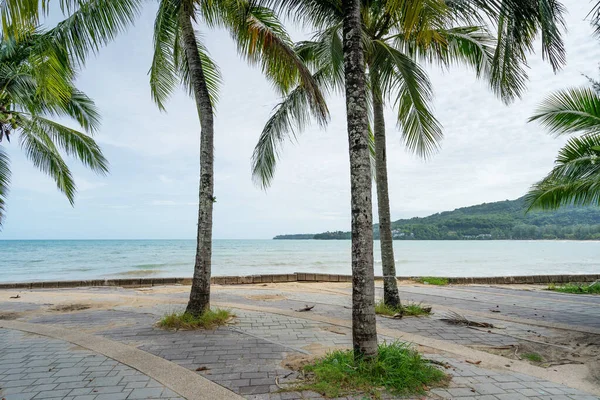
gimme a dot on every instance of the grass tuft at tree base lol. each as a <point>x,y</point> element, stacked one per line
<point>397,369</point>
<point>208,320</point>
<point>432,280</point>
<point>593,288</point>
<point>407,309</point>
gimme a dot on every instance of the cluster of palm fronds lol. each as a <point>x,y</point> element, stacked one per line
<point>37,83</point>
<point>575,179</point>
<point>400,37</point>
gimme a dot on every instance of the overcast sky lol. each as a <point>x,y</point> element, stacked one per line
<point>489,153</point>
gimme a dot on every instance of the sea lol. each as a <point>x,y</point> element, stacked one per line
<point>35,260</point>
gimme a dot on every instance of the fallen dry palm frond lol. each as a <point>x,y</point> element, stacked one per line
<point>564,361</point>
<point>457,319</point>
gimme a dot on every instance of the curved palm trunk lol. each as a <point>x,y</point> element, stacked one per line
<point>364,330</point>
<point>200,293</point>
<point>390,285</point>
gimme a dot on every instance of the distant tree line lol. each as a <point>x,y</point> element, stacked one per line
<point>503,220</point>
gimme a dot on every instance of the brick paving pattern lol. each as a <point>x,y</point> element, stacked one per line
<point>36,367</point>
<point>247,357</point>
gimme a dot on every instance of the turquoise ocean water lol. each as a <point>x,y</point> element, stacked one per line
<point>22,261</point>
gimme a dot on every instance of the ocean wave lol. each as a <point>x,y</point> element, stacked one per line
<point>161,265</point>
<point>140,272</point>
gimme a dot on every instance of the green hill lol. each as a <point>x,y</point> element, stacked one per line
<point>499,220</point>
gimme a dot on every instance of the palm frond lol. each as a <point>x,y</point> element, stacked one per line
<point>163,74</point>
<point>212,73</point>
<point>570,111</point>
<point>44,155</point>
<point>315,13</point>
<point>325,53</point>
<point>263,40</point>
<point>519,23</point>
<point>93,24</point>
<point>289,118</point>
<point>418,18</point>
<point>550,194</point>
<point>575,179</point>
<point>421,132</point>
<point>20,15</point>
<point>595,16</point>
<point>4,182</point>
<point>83,110</point>
<point>74,143</point>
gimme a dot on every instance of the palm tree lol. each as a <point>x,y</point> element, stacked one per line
<point>364,329</point>
<point>180,56</point>
<point>36,84</point>
<point>395,39</point>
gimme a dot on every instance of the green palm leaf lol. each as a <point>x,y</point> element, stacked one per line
<point>73,142</point>
<point>212,73</point>
<point>163,74</point>
<point>574,180</point>
<point>289,118</point>
<point>40,150</point>
<point>552,194</point>
<point>92,24</point>
<point>36,82</point>
<point>4,182</point>
<point>399,74</point>
<point>570,111</point>
<point>262,39</point>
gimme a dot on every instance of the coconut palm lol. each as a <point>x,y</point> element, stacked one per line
<point>36,85</point>
<point>398,35</point>
<point>181,57</point>
<point>575,179</point>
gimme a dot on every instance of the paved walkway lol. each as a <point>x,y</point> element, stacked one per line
<point>37,367</point>
<point>250,357</point>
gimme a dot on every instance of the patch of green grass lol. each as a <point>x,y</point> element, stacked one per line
<point>208,320</point>
<point>432,280</point>
<point>593,288</point>
<point>535,357</point>
<point>397,369</point>
<point>407,309</point>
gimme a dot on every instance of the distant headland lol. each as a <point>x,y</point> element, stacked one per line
<point>501,220</point>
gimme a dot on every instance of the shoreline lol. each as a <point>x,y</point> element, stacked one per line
<point>295,277</point>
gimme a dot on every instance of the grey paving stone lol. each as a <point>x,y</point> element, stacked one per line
<point>54,378</point>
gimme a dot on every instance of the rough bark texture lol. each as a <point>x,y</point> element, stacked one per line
<point>364,330</point>
<point>390,285</point>
<point>200,293</point>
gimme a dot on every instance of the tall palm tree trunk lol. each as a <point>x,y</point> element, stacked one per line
<point>364,330</point>
<point>390,285</point>
<point>200,293</point>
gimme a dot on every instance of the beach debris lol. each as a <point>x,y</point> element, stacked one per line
<point>306,308</point>
<point>9,315</point>
<point>202,368</point>
<point>494,310</point>
<point>440,363</point>
<point>564,361</point>
<point>15,297</point>
<point>474,362</point>
<point>71,307</point>
<point>457,319</point>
